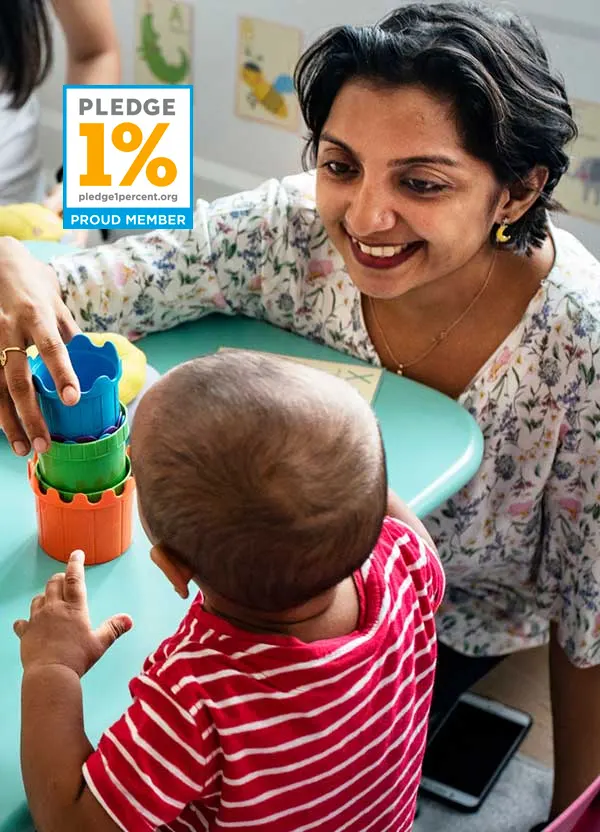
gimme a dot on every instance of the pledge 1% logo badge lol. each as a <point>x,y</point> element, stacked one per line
<point>127,157</point>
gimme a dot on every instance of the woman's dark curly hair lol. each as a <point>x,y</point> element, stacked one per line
<point>511,108</point>
<point>25,47</point>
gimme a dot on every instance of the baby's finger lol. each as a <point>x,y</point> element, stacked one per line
<point>74,586</point>
<point>55,587</point>
<point>37,602</point>
<point>19,627</point>
<point>112,629</point>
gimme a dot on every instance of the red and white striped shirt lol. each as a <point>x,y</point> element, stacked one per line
<point>233,730</point>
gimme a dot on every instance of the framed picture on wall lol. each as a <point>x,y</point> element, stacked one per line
<point>266,56</point>
<point>579,189</point>
<point>165,39</point>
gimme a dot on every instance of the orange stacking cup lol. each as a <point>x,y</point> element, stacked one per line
<point>102,529</point>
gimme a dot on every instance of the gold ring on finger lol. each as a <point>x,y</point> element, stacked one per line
<point>4,356</point>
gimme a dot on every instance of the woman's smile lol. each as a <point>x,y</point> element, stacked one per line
<point>383,256</point>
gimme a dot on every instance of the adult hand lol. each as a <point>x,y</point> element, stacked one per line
<point>59,632</point>
<point>31,312</point>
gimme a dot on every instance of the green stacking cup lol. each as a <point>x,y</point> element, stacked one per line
<point>86,467</point>
<point>92,496</point>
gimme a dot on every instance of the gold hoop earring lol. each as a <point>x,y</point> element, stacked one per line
<point>501,235</point>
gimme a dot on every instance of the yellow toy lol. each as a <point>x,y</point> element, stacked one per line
<point>132,359</point>
<point>30,221</point>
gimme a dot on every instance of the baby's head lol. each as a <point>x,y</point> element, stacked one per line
<point>264,477</point>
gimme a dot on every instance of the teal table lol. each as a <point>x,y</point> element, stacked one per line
<point>44,250</point>
<point>433,448</point>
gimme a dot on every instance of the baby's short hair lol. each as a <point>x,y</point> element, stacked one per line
<point>266,477</point>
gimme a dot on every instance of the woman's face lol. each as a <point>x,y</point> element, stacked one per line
<point>400,198</point>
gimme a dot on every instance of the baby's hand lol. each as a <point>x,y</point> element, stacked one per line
<point>59,631</point>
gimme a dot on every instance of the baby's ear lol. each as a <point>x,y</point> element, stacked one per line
<point>177,573</point>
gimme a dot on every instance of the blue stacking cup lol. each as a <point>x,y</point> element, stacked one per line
<point>99,371</point>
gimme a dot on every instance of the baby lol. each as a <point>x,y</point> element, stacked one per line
<point>295,693</point>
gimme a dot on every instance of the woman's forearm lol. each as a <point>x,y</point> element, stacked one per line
<point>140,284</point>
<point>576,721</point>
<point>104,68</point>
<point>91,39</point>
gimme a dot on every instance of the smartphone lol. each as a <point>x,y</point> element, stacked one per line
<point>470,747</point>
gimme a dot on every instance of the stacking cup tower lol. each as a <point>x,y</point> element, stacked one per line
<point>83,485</point>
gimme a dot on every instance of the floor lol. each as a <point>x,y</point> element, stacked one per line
<point>522,681</point>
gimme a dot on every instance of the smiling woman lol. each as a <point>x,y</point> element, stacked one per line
<point>423,243</point>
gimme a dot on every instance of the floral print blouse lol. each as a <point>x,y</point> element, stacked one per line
<point>521,542</point>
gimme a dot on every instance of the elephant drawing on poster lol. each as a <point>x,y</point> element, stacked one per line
<point>588,173</point>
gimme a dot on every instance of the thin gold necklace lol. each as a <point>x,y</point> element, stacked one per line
<point>439,338</point>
